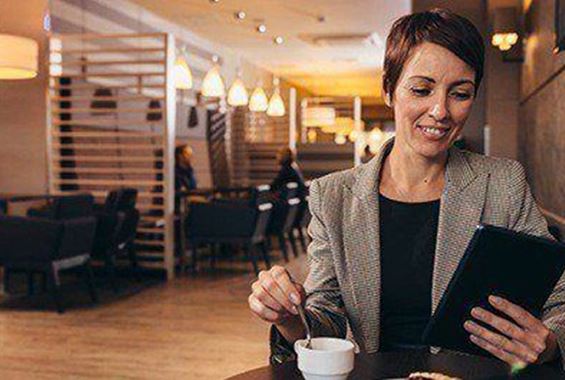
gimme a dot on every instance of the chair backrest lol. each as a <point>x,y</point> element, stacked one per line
<point>121,200</point>
<point>264,213</point>
<point>24,239</point>
<point>77,238</point>
<point>73,206</point>
<point>127,199</point>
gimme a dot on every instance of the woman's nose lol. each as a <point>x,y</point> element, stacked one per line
<point>438,110</point>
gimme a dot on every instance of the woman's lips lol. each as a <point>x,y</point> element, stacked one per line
<point>433,133</point>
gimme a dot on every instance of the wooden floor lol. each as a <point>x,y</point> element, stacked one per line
<point>189,328</point>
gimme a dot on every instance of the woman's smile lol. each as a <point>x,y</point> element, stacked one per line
<point>433,133</point>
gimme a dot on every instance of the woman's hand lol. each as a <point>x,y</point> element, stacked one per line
<point>522,338</point>
<point>274,296</point>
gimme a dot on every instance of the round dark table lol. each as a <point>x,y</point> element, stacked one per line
<point>401,364</point>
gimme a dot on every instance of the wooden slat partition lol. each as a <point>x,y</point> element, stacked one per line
<point>99,143</point>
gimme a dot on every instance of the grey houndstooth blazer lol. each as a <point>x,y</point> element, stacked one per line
<point>345,247</point>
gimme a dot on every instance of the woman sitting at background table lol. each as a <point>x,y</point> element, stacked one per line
<point>388,235</point>
<point>289,171</point>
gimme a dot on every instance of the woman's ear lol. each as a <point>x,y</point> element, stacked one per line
<point>388,100</point>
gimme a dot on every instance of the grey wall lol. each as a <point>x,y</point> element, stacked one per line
<point>22,106</point>
<point>542,111</point>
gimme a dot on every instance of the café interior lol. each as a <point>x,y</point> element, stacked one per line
<point>114,264</point>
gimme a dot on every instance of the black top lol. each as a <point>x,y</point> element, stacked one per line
<point>289,172</point>
<point>408,240</point>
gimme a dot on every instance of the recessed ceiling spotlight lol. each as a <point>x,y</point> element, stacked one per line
<point>321,18</point>
<point>214,1</point>
<point>261,28</point>
<point>278,40</point>
<point>240,15</point>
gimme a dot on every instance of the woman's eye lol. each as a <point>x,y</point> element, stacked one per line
<point>461,95</point>
<point>421,91</point>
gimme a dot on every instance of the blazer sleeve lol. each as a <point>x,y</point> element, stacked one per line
<point>526,217</point>
<point>324,308</point>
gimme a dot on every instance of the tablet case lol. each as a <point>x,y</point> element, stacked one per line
<point>522,268</point>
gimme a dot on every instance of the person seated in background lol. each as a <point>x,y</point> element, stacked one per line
<point>289,171</point>
<point>184,172</point>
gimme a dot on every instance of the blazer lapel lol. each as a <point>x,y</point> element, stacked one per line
<point>362,246</point>
<point>461,209</point>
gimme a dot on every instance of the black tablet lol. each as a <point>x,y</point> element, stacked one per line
<point>521,268</point>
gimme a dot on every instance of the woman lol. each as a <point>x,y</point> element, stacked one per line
<point>388,235</point>
<point>288,171</point>
<point>184,173</point>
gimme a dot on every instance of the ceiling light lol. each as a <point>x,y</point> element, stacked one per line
<point>237,95</point>
<point>213,84</point>
<point>278,40</point>
<point>505,28</point>
<point>19,57</point>
<point>318,116</point>
<point>261,28</point>
<point>240,15</point>
<point>340,139</point>
<point>258,101</point>
<point>182,74</point>
<point>214,1</point>
<point>276,104</point>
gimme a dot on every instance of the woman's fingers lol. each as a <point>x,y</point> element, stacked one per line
<point>496,351</point>
<point>273,282</point>
<point>509,329</point>
<point>518,314</point>
<point>501,342</point>
<point>266,299</point>
<point>264,312</point>
<point>274,295</point>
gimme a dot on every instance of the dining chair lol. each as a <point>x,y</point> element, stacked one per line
<point>48,246</point>
<point>235,223</point>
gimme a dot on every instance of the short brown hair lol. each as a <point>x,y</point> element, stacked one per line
<point>439,26</point>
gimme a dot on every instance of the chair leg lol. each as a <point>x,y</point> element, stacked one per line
<point>265,251</point>
<point>89,278</point>
<point>194,252</point>
<point>132,255</point>
<point>111,270</point>
<point>249,252</point>
<point>30,287</point>
<point>213,254</point>
<point>282,246</point>
<point>302,239</point>
<point>54,284</point>
<point>6,280</point>
<point>293,243</point>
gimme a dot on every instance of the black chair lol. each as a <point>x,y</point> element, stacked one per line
<point>284,215</point>
<point>302,218</point>
<point>65,207</point>
<point>47,246</point>
<point>240,222</point>
<point>117,223</point>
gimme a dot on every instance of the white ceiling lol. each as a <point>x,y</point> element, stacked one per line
<point>324,70</point>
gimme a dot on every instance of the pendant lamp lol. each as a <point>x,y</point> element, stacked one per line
<point>213,84</point>
<point>182,74</point>
<point>276,104</point>
<point>258,101</point>
<point>18,59</point>
<point>237,95</point>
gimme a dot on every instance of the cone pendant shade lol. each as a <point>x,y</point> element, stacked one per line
<point>237,95</point>
<point>213,84</point>
<point>276,105</point>
<point>258,101</point>
<point>182,74</point>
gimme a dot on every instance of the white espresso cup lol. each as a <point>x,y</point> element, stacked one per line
<point>327,359</point>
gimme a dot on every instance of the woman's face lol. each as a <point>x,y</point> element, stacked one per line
<point>432,100</point>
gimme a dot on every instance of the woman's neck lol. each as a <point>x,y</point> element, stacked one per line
<point>409,176</point>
